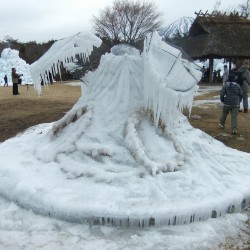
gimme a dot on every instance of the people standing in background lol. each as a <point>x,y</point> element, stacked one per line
<point>206,75</point>
<point>203,70</point>
<point>15,78</point>
<point>50,78</point>
<point>214,76</point>
<point>5,81</point>
<point>225,74</point>
<point>245,74</point>
<point>234,71</point>
<point>230,96</point>
<point>218,75</point>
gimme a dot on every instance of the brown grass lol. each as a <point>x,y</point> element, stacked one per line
<point>20,112</point>
<point>206,117</point>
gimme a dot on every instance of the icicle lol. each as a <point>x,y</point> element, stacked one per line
<point>60,52</point>
<point>163,93</point>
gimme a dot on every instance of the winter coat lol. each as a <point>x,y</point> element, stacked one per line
<point>246,76</point>
<point>231,94</point>
<point>15,77</point>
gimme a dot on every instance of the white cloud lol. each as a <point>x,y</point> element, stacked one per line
<point>41,20</point>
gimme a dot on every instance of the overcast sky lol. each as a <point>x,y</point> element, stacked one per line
<point>43,20</point>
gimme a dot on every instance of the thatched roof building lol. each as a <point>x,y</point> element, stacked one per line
<point>219,37</point>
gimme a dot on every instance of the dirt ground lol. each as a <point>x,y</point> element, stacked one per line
<point>20,112</point>
<point>206,117</point>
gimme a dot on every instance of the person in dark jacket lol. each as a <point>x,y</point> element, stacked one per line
<point>244,70</point>
<point>230,95</point>
<point>5,81</point>
<point>15,78</point>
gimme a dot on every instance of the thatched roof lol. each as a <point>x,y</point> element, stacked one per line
<point>219,37</point>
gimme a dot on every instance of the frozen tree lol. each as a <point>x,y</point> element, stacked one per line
<point>127,21</point>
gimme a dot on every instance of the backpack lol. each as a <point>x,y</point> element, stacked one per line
<point>239,78</point>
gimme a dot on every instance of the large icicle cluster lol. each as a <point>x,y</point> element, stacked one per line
<point>169,81</point>
<point>62,51</point>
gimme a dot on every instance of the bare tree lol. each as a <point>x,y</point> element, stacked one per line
<point>245,8</point>
<point>127,21</point>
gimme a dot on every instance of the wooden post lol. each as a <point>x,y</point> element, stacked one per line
<point>211,65</point>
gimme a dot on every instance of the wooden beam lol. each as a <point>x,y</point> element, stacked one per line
<point>211,65</point>
<point>230,65</point>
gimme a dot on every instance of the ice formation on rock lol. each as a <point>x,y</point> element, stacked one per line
<point>148,86</point>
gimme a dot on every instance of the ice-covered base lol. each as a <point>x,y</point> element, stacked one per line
<point>213,181</point>
<point>23,230</point>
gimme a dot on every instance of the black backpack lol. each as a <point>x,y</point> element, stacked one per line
<point>239,78</point>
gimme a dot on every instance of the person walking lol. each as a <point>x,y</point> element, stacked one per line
<point>230,96</point>
<point>5,81</point>
<point>15,78</point>
<point>244,74</point>
<point>225,74</point>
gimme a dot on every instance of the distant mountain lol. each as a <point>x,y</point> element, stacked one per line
<point>182,25</point>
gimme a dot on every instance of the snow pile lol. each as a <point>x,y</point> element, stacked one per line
<point>123,49</point>
<point>112,159</point>
<point>10,59</point>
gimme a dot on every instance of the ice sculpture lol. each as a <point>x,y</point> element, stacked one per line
<point>147,86</point>
<point>113,158</point>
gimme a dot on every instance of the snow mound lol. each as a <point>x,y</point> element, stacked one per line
<point>123,49</point>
